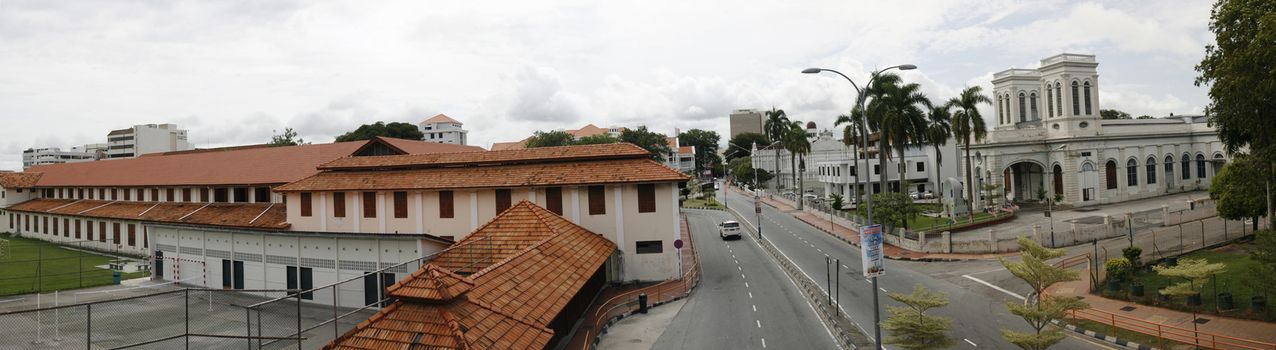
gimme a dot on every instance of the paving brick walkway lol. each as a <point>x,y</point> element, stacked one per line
<point>852,236</point>
<point>1146,317</point>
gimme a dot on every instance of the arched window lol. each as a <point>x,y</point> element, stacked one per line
<point>1200,166</point>
<point>1032,103</point>
<point>1169,170</point>
<point>1076,99</point>
<point>1187,167</point>
<point>1131,173</point>
<point>1049,102</point>
<point>1058,180</point>
<point>1023,114</point>
<point>1151,170</point>
<point>1010,112</point>
<point>1087,98</point>
<point>1110,173</point>
<point>1218,163</point>
<point>1058,96</point>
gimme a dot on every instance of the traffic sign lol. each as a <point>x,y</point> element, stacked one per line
<point>757,206</point>
<point>677,244</point>
<point>871,250</point>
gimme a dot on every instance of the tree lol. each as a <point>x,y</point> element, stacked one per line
<point>968,126</point>
<point>395,130</point>
<point>909,325</point>
<point>874,110</point>
<point>901,120</point>
<point>550,139</point>
<point>1033,269</point>
<point>596,140</point>
<point>1194,272</point>
<point>741,145</point>
<point>1263,274</point>
<point>893,209</point>
<point>1145,116</point>
<point>743,172</point>
<point>288,138</point>
<point>776,126</point>
<point>852,136</point>
<point>797,145</point>
<point>653,142</point>
<point>837,201</point>
<point>938,131</point>
<point>1242,79</point>
<point>1239,188</point>
<point>1113,114</point>
<point>706,145</point>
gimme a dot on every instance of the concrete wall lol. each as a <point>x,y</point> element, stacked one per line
<point>39,230</point>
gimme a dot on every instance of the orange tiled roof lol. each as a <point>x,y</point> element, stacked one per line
<point>505,146</point>
<point>252,166</point>
<point>420,147</point>
<point>18,180</point>
<point>527,155</point>
<point>441,118</point>
<point>686,149</point>
<point>243,215</point>
<point>547,174</point>
<point>507,304</point>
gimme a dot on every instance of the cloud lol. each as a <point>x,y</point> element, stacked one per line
<point>538,94</point>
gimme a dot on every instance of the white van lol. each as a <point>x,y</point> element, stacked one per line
<point>729,230</point>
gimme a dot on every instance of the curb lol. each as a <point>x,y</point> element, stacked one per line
<point>705,208</point>
<point>1100,336</point>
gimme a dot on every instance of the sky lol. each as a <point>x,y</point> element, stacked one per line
<point>237,72</point>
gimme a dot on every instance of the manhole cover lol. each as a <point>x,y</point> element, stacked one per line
<point>1201,320</point>
<point>1128,308</point>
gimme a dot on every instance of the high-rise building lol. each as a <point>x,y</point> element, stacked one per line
<point>147,138</point>
<point>442,129</point>
<point>54,155</point>
<point>746,120</point>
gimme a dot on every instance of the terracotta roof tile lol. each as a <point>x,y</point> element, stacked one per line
<point>511,301</point>
<point>686,149</point>
<point>526,155</point>
<point>243,215</point>
<point>548,174</point>
<point>421,147</point>
<point>268,165</point>
<point>441,118</point>
<point>18,180</point>
<point>505,146</point>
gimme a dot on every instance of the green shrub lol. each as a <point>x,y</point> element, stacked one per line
<point>1132,254</point>
<point>1117,267</point>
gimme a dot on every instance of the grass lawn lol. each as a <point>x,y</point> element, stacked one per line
<point>1233,281</point>
<point>35,265</point>
<point>1123,334</point>
<point>702,203</point>
<point>923,222</point>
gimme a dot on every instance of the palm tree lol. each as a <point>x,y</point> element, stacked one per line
<point>967,123</point>
<point>777,125</point>
<point>873,111</point>
<point>797,145</point>
<point>937,135</point>
<point>903,120</point>
<point>851,137</point>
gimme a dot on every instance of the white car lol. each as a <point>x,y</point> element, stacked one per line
<point>810,196</point>
<point>729,230</point>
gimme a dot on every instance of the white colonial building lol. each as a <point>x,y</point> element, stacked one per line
<point>443,129</point>
<point>1049,140</point>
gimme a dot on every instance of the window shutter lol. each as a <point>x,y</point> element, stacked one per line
<point>502,200</point>
<point>305,204</point>
<point>369,204</point>
<point>400,204</point>
<point>446,208</point>
<point>647,198</point>
<point>554,199</point>
<point>338,204</point>
<point>597,200</point>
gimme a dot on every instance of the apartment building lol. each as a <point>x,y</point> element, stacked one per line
<point>443,129</point>
<point>745,121</point>
<point>54,155</point>
<point>146,138</point>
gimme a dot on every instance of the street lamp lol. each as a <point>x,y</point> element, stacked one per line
<point>859,104</point>
<point>757,209</point>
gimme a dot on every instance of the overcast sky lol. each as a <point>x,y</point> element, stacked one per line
<point>235,72</point>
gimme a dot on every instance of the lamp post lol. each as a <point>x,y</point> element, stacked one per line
<point>859,104</point>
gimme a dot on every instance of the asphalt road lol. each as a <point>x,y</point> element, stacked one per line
<point>744,300</point>
<point>978,312</point>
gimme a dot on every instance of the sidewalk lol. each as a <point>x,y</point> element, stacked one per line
<point>852,237</point>
<point>1146,317</point>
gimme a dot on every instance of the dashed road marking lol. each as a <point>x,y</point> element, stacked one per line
<point>755,308</point>
<point>764,342</point>
<point>759,323</point>
<point>746,284</point>
<point>883,290</point>
<point>750,295</point>
<point>971,342</point>
<point>1003,290</point>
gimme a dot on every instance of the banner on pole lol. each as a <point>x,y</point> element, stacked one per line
<point>871,250</point>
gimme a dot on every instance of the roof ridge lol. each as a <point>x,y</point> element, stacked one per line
<point>455,327</point>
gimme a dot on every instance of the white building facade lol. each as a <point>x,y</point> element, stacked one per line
<point>831,168</point>
<point>53,155</point>
<point>147,138</point>
<point>1050,142</point>
<point>443,129</point>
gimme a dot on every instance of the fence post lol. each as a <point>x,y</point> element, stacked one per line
<point>88,326</point>
<point>1114,327</point>
<point>336,323</point>
<point>186,308</point>
<point>298,295</point>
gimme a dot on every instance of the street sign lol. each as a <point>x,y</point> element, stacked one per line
<point>871,250</point>
<point>757,206</point>
<point>1047,213</point>
<point>677,244</point>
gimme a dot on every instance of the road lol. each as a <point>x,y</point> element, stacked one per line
<point>979,312</point>
<point>744,300</point>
